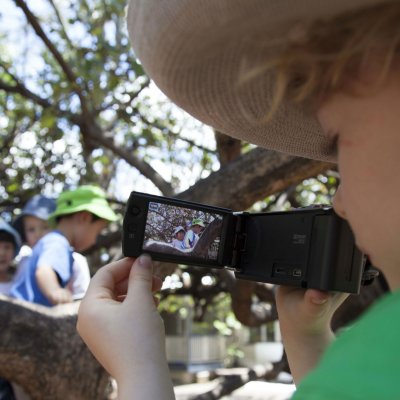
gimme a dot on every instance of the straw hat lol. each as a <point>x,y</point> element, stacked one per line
<point>196,51</point>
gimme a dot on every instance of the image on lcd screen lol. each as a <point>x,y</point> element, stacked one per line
<point>182,231</point>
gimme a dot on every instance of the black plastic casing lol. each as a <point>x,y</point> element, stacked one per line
<point>308,248</point>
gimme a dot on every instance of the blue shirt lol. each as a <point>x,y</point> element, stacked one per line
<point>52,250</point>
<point>190,239</point>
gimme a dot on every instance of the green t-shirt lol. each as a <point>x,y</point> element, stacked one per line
<point>364,361</point>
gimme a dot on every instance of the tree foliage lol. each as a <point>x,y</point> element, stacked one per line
<point>76,105</point>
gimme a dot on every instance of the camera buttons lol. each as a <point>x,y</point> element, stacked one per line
<point>135,211</point>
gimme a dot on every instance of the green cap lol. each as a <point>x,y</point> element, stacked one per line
<point>198,221</point>
<point>85,198</point>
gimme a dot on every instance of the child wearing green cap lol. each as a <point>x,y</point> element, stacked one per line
<point>32,224</point>
<point>79,217</point>
<point>193,234</point>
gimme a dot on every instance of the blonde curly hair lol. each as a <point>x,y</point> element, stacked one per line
<point>332,53</point>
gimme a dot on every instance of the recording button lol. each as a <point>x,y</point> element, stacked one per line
<point>135,211</point>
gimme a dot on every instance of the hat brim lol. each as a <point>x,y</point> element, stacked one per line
<point>101,212</point>
<point>196,53</point>
<point>18,225</point>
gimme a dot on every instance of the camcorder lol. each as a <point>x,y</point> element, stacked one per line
<point>309,247</point>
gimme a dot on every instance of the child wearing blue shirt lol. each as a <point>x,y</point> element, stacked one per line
<point>80,216</point>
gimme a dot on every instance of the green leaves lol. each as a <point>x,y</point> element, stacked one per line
<point>78,74</point>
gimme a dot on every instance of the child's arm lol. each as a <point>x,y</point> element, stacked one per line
<point>48,284</point>
<point>188,239</point>
<point>304,317</point>
<point>119,321</point>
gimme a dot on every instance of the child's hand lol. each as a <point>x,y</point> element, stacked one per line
<point>48,283</point>
<point>304,317</point>
<point>60,296</point>
<point>119,321</point>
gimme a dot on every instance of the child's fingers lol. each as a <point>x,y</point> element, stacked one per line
<point>316,297</point>
<point>122,297</point>
<point>310,303</point>
<point>318,303</point>
<point>106,279</point>
<point>141,279</point>
<point>122,287</point>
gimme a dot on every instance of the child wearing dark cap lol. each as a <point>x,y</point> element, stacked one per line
<point>32,225</point>
<point>179,234</point>
<point>10,244</point>
<point>79,217</point>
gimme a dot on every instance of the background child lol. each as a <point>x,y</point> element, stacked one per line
<point>179,234</point>
<point>10,243</point>
<point>32,224</point>
<point>80,216</point>
<point>193,234</point>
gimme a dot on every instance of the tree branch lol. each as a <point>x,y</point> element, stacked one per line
<point>60,21</point>
<point>53,50</point>
<point>95,134</point>
<point>21,89</point>
<point>54,363</point>
<point>252,176</point>
<point>176,135</point>
<point>25,92</point>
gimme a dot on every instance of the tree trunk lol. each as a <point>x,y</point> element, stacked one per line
<point>42,352</point>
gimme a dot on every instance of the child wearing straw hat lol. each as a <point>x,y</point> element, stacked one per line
<point>78,218</point>
<point>312,78</point>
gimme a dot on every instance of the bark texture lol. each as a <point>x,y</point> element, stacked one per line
<point>42,352</point>
<point>251,177</point>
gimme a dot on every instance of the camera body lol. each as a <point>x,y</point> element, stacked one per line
<point>308,247</point>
